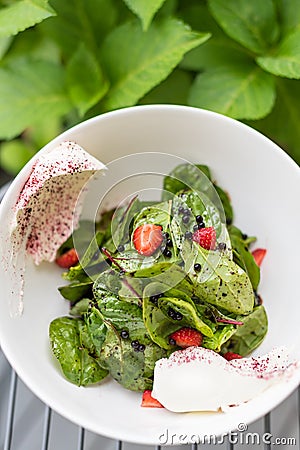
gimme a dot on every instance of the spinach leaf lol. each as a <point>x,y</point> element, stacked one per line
<point>156,313</point>
<point>74,350</point>
<point>250,335</point>
<point>221,281</point>
<point>219,337</point>
<point>185,177</point>
<point>122,220</point>
<point>77,290</point>
<point>97,330</point>
<point>92,256</point>
<point>80,307</point>
<point>243,257</point>
<point>225,200</point>
<point>197,177</point>
<point>133,369</point>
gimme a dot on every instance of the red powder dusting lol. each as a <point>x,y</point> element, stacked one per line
<point>50,202</point>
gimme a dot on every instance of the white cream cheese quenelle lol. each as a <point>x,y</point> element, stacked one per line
<point>199,379</point>
<point>48,208</point>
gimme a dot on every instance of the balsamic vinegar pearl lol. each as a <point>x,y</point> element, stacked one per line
<point>197,267</point>
<point>135,344</point>
<point>196,227</point>
<point>167,253</point>
<point>169,243</point>
<point>244,236</point>
<point>186,212</point>
<point>180,209</point>
<point>199,219</point>
<point>141,347</point>
<point>221,246</point>
<point>172,341</point>
<point>124,334</point>
<point>188,235</point>
<point>121,248</point>
<point>186,219</point>
<point>174,314</point>
<point>154,299</point>
<point>166,235</point>
<point>201,225</point>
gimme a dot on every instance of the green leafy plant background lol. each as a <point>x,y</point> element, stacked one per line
<point>62,62</point>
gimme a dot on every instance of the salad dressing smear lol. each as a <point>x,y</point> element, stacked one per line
<point>47,210</point>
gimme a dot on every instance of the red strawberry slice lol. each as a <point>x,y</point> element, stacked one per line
<point>206,237</point>
<point>230,355</point>
<point>67,259</point>
<point>147,238</point>
<point>187,337</point>
<point>258,255</point>
<point>150,402</point>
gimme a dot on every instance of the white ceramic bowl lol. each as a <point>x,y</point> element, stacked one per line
<point>264,185</point>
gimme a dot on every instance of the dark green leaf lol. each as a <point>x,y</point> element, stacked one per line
<point>243,257</point>
<point>250,335</point>
<point>174,90</point>
<point>289,15</point>
<point>284,61</point>
<point>282,125</point>
<point>136,61</point>
<point>23,14</point>
<point>219,50</point>
<point>251,23</point>
<point>76,291</point>
<point>85,81</point>
<point>86,21</point>
<point>33,89</point>
<point>241,91</point>
<point>221,281</point>
<point>96,330</point>
<point>71,345</point>
<point>144,9</point>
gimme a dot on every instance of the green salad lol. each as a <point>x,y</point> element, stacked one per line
<point>154,278</point>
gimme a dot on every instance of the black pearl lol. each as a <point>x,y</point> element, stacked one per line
<point>201,225</point>
<point>135,344</point>
<point>186,219</point>
<point>180,209</point>
<point>169,243</point>
<point>141,347</point>
<point>197,267</point>
<point>199,219</point>
<point>186,212</point>
<point>222,246</point>
<point>124,334</point>
<point>154,299</point>
<point>172,341</point>
<point>167,253</point>
<point>188,235</point>
<point>120,248</point>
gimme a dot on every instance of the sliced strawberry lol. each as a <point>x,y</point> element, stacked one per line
<point>258,255</point>
<point>187,337</point>
<point>147,238</point>
<point>230,355</point>
<point>148,401</point>
<point>206,237</point>
<point>67,259</point>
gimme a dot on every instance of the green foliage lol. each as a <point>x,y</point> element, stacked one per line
<point>144,9</point>
<point>64,61</point>
<point>23,14</point>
